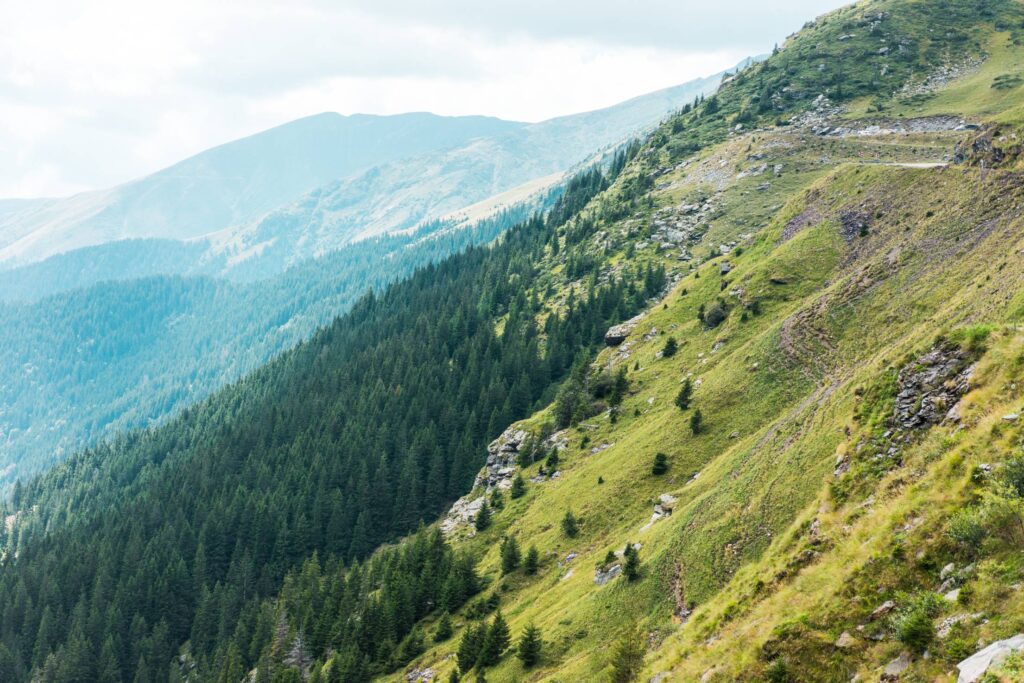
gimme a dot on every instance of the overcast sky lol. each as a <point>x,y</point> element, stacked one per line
<point>96,93</point>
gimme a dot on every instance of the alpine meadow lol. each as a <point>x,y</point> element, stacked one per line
<point>721,383</point>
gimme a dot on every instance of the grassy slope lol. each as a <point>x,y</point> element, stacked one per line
<point>943,249</point>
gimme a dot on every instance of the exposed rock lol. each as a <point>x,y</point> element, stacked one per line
<point>601,577</point>
<point>883,609</point>
<point>1012,417</point>
<point>724,268</point>
<point>896,667</point>
<point>946,625</point>
<point>975,666</point>
<point>929,386</point>
<point>424,675</point>
<point>617,334</point>
<point>845,640</point>
<point>952,595</point>
<point>462,513</point>
<point>502,460</point>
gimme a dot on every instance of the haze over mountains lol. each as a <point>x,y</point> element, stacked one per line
<point>142,299</point>
<point>252,207</point>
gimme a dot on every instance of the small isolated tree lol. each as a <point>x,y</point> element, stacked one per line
<point>670,348</point>
<point>660,465</point>
<point>497,500</point>
<point>552,462</point>
<point>570,525</point>
<point>509,555</point>
<point>715,315</point>
<point>483,517</point>
<point>530,645</point>
<point>444,628</point>
<point>469,647</point>
<point>628,656</point>
<point>619,388</point>
<point>518,489</point>
<point>696,422</point>
<point>609,559</point>
<point>684,395</point>
<point>631,569</point>
<point>532,561</point>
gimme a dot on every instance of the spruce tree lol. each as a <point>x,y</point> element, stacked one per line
<point>509,555</point>
<point>683,397</point>
<point>469,647</point>
<point>518,488</point>
<point>670,348</point>
<point>552,461</point>
<point>532,562</point>
<point>483,517</point>
<point>495,642</point>
<point>696,422</point>
<point>660,465</point>
<point>444,628</point>
<point>570,526</point>
<point>619,388</point>
<point>530,645</point>
<point>631,569</point>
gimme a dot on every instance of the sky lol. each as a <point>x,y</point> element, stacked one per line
<point>96,93</point>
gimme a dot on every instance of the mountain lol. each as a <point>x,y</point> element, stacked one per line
<point>182,332</point>
<point>254,207</point>
<point>229,184</point>
<point>744,404</point>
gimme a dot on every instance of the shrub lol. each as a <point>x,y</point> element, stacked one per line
<point>965,528</point>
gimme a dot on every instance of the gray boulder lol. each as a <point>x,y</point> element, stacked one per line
<point>975,666</point>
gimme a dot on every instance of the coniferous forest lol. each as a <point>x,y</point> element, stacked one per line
<point>356,437</point>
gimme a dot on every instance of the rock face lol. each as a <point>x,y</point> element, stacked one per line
<point>618,333</point>
<point>975,666</point>
<point>462,512</point>
<point>896,667</point>
<point>601,577</point>
<point>424,675</point>
<point>502,459</point>
<point>930,386</point>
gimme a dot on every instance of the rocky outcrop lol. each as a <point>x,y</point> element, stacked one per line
<point>662,509</point>
<point>603,576</point>
<point>974,667</point>
<point>502,459</point>
<point>462,513</point>
<point>617,334</point>
<point>929,387</point>
<point>424,675</point>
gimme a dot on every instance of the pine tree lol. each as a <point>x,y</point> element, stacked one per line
<point>469,647</point>
<point>683,397</point>
<point>530,645</point>
<point>497,500</point>
<point>619,388</point>
<point>670,348</point>
<point>660,465</point>
<point>483,517</point>
<point>518,489</point>
<point>628,656</point>
<point>509,555</point>
<point>495,642</point>
<point>444,628</point>
<point>532,562</point>
<point>552,461</point>
<point>696,422</point>
<point>631,569</point>
<point>570,526</point>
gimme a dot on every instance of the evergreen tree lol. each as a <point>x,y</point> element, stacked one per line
<point>509,555</point>
<point>483,517</point>
<point>495,642</point>
<point>628,656</point>
<point>619,388</point>
<point>685,392</point>
<point>532,562</point>
<point>570,526</point>
<point>444,628</point>
<point>470,646</point>
<point>552,460</point>
<point>497,500</point>
<point>670,348</point>
<point>631,569</point>
<point>518,488</point>
<point>660,465</point>
<point>530,645</point>
<point>696,422</point>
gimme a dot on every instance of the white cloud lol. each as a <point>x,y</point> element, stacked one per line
<point>97,93</point>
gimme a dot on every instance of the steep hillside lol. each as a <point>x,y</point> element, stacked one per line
<point>801,462</point>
